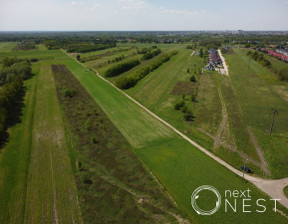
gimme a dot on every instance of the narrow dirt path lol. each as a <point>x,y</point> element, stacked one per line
<point>259,152</point>
<point>223,123</point>
<point>267,186</point>
<point>193,53</point>
<point>139,195</point>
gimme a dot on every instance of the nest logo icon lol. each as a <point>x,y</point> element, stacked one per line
<point>197,197</point>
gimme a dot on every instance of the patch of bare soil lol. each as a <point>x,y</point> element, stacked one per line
<point>187,88</point>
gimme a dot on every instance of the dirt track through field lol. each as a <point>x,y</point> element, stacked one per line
<point>224,63</point>
<point>259,152</point>
<point>274,188</point>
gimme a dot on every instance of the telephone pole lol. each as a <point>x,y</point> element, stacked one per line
<point>249,64</point>
<point>272,124</point>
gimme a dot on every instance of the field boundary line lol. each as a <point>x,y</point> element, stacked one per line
<point>258,182</point>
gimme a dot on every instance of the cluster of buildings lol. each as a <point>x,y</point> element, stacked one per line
<point>214,60</point>
<point>276,54</point>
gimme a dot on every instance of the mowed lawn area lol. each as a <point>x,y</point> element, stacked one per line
<point>37,182</point>
<point>179,166</point>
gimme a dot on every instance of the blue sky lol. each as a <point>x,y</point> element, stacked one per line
<point>39,15</point>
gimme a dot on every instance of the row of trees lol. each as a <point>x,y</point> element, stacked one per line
<point>25,45</point>
<point>259,58</point>
<point>108,53</point>
<point>87,47</point>
<point>130,81</point>
<point>11,88</point>
<point>281,73</point>
<point>151,54</point>
<point>120,68</point>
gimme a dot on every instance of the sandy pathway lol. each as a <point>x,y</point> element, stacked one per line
<point>224,63</point>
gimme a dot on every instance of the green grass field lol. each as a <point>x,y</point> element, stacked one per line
<point>37,182</point>
<point>39,54</point>
<point>7,46</point>
<point>245,108</point>
<point>255,93</point>
<point>182,168</point>
<point>32,189</point>
<point>179,166</point>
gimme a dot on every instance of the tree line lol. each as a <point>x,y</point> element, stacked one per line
<point>120,68</point>
<point>131,80</point>
<point>151,54</point>
<point>281,73</point>
<point>12,74</point>
<point>25,46</point>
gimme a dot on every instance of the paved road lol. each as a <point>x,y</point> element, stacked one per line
<point>273,188</point>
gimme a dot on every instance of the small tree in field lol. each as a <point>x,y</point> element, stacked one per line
<point>193,79</point>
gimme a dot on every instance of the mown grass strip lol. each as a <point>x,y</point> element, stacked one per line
<point>51,191</point>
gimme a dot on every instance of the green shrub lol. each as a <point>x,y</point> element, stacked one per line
<point>193,79</point>
<point>188,116</point>
<point>94,140</point>
<point>88,124</point>
<point>68,92</point>
<point>178,106</point>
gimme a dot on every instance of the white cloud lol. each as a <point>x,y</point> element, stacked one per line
<point>77,3</point>
<point>132,5</point>
<point>95,6</point>
<point>185,13</point>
